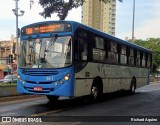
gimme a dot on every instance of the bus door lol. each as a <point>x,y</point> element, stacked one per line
<point>82,73</point>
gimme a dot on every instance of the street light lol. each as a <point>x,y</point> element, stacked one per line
<point>15,11</point>
<point>133,21</point>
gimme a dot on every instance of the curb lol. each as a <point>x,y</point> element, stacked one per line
<point>18,97</point>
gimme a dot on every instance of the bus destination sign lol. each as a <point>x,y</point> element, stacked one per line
<point>46,28</point>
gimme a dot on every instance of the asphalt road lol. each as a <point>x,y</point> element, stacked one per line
<point>114,109</point>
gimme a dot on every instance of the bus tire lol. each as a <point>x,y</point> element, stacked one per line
<point>97,89</point>
<point>132,86</point>
<point>52,98</point>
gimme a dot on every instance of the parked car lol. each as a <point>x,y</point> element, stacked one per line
<point>9,79</point>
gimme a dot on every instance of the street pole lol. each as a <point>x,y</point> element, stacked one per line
<point>16,31</point>
<point>133,21</point>
<point>15,11</point>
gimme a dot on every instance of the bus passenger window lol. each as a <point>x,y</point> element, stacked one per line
<point>113,53</point>
<point>131,57</point>
<point>143,60</point>
<point>99,52</point>
<point>82,50</point>
<point>138,59</point>
<point>148,60</point>
<point>123,55</point>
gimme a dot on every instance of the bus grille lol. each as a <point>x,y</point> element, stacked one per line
<point>33,82</point>
<point>39,72</point>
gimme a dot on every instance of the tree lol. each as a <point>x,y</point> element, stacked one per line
<point>61,7</point>
<point>154,45</point>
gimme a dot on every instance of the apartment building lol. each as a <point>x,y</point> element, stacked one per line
<point>100,15</point>
<point>7,49</point>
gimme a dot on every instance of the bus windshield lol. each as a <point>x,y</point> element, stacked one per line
<point>54,52</point>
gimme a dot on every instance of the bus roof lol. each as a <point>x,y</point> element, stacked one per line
<point>76,25</point>
<point>105,35</point>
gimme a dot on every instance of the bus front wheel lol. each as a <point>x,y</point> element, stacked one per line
<point>97,89</point>
<point>52,98</point>
<point>94,92</point>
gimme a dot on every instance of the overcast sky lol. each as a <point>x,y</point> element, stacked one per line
<point>147,18</point>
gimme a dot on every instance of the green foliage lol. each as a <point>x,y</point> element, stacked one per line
<point>154,45</point>
<point>61,7</point>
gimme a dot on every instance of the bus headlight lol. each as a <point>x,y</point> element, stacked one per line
<point>66,78</point>
<point>61,81</point>
<point>18,77</point>
<point>21,81</point>
<point>55,83</point>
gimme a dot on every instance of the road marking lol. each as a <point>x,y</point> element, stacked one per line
<point>53,111</point>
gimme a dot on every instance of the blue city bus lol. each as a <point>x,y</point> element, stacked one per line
<point>67,58</point>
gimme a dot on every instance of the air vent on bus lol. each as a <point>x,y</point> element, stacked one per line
<point>33,82</point>
<point>39,72</point>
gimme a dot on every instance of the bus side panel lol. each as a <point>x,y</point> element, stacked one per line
<point>114,77</point>
<point>144,79</point>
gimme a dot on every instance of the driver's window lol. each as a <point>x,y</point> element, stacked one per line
<point>81,45</point>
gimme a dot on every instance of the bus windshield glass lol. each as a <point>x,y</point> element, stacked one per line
<point>54,52</point>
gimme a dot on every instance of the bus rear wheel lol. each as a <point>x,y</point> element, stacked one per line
<point>52,98</point>
<point>132,87</point>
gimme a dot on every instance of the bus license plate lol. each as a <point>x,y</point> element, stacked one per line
<point>37,88</point>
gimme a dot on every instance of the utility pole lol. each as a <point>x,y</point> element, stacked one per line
<point>15,11</point>
<point>133,21</point>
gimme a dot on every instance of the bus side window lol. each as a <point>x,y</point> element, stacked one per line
<point>82,50</point>
<point>143,59</point>
<point>137,58</point>
<point>98,51</point>
<point>123,54</point>
<point>113,53</point>
<point>148,60</point>
<point>131,57</point>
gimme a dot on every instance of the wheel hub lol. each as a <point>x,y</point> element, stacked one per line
<point>95,92</point>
